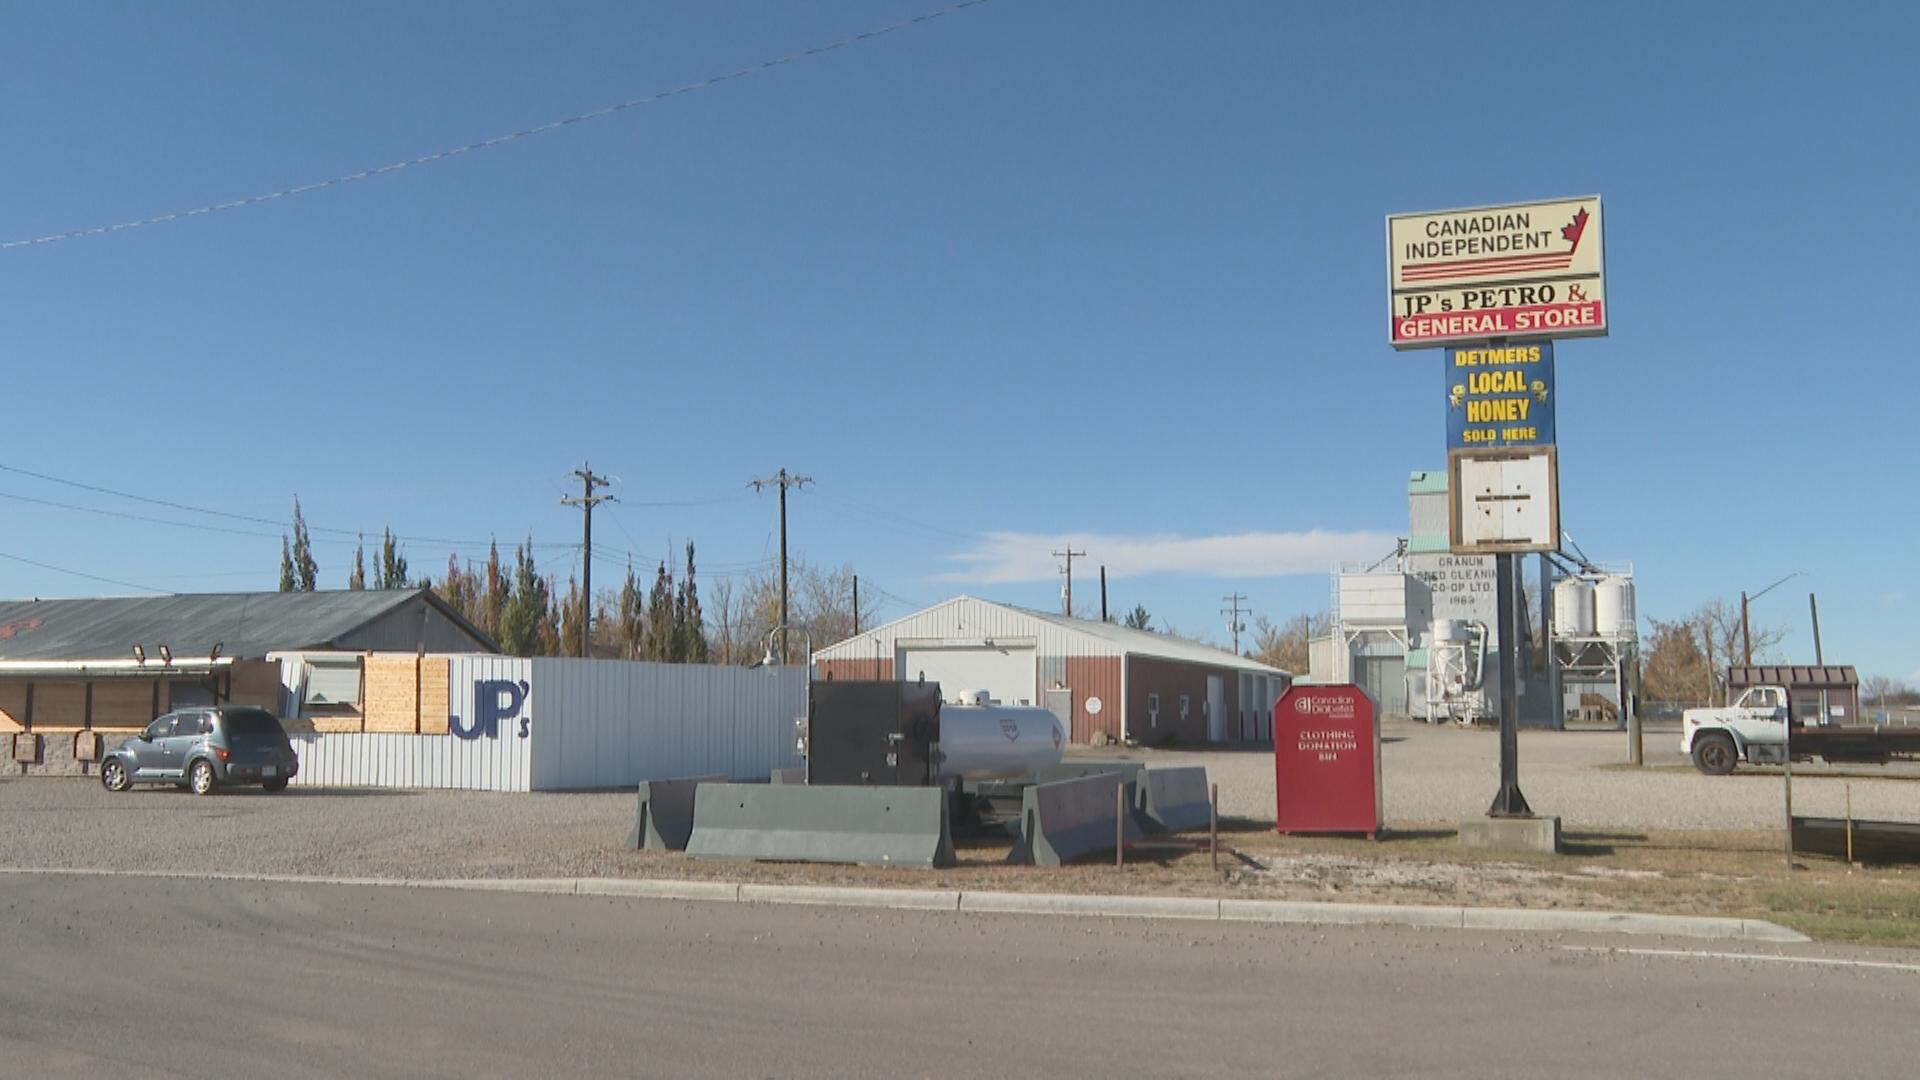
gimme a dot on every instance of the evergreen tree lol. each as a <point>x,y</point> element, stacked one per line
<point>689,624</point>
<point>659,644</point>
<point>357,579</point>
<point>456,588</point>
<point>391,573</point>
<point>491,604</point>
<point>550,619</point>
<point>524,614</point>
<point>631,616</point>
<point>286,565</point>
<point>306,571</point>
<point>1138,619</point>
<point>572,611</point>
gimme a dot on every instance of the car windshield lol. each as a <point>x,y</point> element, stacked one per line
<point>252,722</point>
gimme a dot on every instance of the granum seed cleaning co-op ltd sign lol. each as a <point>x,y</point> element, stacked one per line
<point>1528,270</point>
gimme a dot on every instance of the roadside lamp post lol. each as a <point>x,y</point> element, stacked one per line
<point>1746,636</point>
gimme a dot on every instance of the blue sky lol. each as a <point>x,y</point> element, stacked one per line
<point>1028,274</point>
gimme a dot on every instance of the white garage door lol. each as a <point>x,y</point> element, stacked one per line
<point>1006,672</point>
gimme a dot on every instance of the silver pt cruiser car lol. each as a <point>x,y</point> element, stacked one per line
<point>202,749</point>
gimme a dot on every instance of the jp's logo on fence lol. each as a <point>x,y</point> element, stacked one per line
<point>494,701</point>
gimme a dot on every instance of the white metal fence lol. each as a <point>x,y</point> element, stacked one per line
<point>558,725</point>
<point>412,761</point>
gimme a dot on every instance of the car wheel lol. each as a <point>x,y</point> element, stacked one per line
<point>1714,754</point>
<point>200,778</point>
<point>278,783</point>
<point>113,775</point>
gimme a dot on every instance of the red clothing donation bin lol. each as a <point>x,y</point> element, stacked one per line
<point>1326,761</point>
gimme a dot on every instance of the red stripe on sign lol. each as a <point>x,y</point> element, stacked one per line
<point>1534,262</point>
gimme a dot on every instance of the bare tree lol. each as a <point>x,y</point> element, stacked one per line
<point>723,616</point>
<point>1286,646</point>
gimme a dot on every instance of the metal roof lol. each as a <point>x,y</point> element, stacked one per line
<point>244,625</point>
<point>1124,640</point>
<point>1792,675</point>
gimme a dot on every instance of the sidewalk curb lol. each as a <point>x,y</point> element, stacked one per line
<point>1519,920</point>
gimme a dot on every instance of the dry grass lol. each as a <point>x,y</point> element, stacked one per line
<point>1691,872</point>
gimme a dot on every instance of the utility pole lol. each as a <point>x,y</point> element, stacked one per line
<point>586,502</point>
<point>1069,555</point>
<point>1234,625</point>
<point>782,480</point>
<point>856,605</point>
<point>1103,593</point>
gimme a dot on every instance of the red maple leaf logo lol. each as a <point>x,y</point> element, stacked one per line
<point>1572,232</point>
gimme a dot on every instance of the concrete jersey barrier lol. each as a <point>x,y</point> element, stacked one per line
<point>664,818</point>
<point>1072,819</point>
<point>870,826</point>
<point>1175,800</point>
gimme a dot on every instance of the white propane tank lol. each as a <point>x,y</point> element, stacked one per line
<point>1613,607</point>
<point>1573,608</point>
<point>997,742</point>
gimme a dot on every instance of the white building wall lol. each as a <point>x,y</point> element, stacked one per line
<point>967,619</point>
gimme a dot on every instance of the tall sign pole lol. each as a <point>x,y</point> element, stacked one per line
<point>1493,287</point>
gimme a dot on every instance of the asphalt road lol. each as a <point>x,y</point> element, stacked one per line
<point>134,977</point>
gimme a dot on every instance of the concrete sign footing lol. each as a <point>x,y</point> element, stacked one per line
<point>1538,834</point>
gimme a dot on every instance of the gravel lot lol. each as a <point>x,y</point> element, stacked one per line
<point>1431,774</point>
<point>1442,773</point>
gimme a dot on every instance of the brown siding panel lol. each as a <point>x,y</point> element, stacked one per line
<point>59,704</point>
<point>1094,676</point>
<point>880,668</point>
<point>122,703</point>
<point>1170,679</point>
<point>13,705</point>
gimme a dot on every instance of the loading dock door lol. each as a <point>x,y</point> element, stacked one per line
<point>1007,672</point>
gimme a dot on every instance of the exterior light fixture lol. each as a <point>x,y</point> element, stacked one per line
<point>166,654</point>
<point>139,653</point>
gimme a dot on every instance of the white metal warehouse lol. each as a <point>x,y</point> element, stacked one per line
<point>1100,678</point>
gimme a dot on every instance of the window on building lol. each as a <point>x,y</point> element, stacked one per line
<point>332,685</point>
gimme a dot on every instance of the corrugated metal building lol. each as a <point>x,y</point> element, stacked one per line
<point>113,664</point>
<point>1098,677</point>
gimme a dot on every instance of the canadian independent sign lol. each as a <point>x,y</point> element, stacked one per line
<point>1530,270</point>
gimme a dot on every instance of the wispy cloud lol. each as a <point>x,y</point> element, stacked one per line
<point>1003,557</point>
<point>1889,599</point>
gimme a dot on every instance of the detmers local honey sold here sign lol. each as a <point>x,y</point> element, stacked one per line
<point>1530,270</point>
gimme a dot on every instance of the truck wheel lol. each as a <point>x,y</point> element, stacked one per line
<point>1714,754</point>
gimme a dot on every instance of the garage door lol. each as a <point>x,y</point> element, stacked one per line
<point>1006,672</point>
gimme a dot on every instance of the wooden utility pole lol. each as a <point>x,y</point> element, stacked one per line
<point>1232,613</point>
<point>1103,593</point>
<point>586,502</point>
<point>856,605</point>
<point>782,480</point>
<point>1069,555</point>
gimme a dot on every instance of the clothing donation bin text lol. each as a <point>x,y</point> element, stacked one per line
<point>1326,761</point>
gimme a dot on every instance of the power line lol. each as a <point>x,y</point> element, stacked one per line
<point>80,574</point>
<point>497,140</point>
<point>353,534</point>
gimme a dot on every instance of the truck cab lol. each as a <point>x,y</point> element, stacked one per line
<point>1752,729</point>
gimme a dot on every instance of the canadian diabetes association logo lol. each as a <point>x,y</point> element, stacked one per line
<point>1324,708</point>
